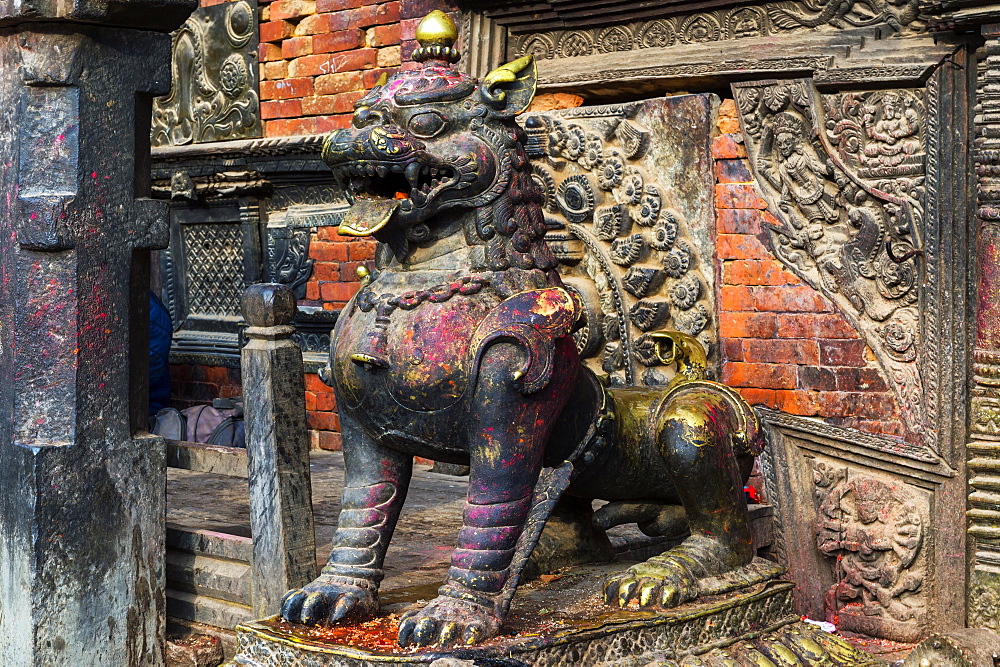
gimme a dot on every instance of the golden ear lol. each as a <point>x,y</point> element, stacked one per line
<point>512,86</point>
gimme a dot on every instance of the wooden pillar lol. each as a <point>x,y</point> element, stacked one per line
<point>984,445</point>
<point>281,519</point>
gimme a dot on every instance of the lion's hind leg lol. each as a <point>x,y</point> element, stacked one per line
<point>695,433</point>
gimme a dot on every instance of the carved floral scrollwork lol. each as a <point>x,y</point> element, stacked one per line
<point>625,247</point>
<point>213,95</point>
<point>844,174</point>
<point>872,532</point>
<point>723,24</point>
<point>288,258</point>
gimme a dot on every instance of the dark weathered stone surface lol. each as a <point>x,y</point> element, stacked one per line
<point>81,487</point>
<point>160,15</point>
<point>230,461</point>
<point>284,541</point>
<point>195,651</point>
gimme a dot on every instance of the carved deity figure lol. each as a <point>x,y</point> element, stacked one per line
<point>791,166</point>
<point>892,129</point>
<point>795,170</point>
<point>458,348</point>
<point>874,534</point>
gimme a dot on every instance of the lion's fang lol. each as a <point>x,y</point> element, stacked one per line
<point>412,173</point>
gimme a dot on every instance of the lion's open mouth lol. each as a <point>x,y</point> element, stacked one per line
<point>376,190</point>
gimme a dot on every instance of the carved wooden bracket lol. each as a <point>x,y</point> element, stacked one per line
<point>844,175</point>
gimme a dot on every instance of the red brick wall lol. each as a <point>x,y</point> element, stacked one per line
<point>319,56</point>
<point>784,345</point>
<point>198,385</point>
<point>333,282</point>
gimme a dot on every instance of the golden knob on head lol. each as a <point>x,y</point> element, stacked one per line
<point>437,29</point>
<point>364,275</point>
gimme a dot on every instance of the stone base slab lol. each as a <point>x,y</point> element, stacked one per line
<point>556,621</point>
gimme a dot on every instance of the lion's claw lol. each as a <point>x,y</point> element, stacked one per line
<point>649,593</point>
<point>447,621</point>
<point>326,601</point>
<point>625,591</point>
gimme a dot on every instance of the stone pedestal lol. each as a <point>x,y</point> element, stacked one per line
<point>81,480</point>
<point>561,621</point>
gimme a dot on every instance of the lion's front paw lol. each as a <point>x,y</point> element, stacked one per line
<point>447,620</point>
<point>330,600</point>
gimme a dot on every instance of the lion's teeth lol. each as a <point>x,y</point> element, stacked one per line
<point>382,170</point>
<point>412,173</point>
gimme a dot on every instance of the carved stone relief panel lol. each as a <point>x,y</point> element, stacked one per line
<point>871,531</point>
<point>213,95</point>
<point>844,174</point>
<point>862,531</point>
<point>628,199</point>
<point>718,25</point>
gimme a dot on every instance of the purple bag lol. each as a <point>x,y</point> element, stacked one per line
<point>218,424</point>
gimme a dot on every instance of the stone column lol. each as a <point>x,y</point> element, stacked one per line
<point>81,481</point>
<point>983,608</point>
<point>281,518</point>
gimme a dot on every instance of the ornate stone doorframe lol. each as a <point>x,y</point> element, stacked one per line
<point>886,105</point>
<point>880,169</point>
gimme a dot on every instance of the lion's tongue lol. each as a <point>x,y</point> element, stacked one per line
<point>367,216</point>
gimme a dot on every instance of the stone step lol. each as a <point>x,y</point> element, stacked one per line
<point>207,610</point>
<point>206,576</point>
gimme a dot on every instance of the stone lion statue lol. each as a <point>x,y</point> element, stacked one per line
<point>458,348</point>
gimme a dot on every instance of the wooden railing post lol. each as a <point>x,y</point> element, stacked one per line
<point>281,518</point>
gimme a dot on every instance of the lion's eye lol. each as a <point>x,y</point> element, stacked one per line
<point>426,124</point>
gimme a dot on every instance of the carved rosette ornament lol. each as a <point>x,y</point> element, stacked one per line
<point>616,224</point>
<point>872,533</point>
<point>844,175</point>
<point>213,94</point>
